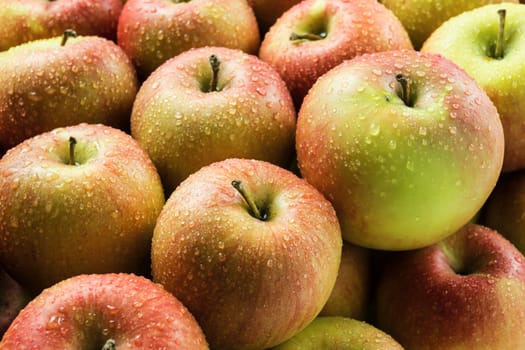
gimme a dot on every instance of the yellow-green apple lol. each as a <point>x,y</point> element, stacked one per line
<point>405,145</point>
<point>80,199</point>
<point>316,35</point>
<point>104,311</point>
<point>251,249</point>
<point>504,210</point>
<point>350,296</point>
<point>62,81</point>
<point>27,20</point>
<point>490,47</point>
<point>267,11</point>
<point>209,104</point>
<point>153,31</point>
<point>465,292</point>
<point>422,17</point>
<point>333,333</point>
<point>12,299</point>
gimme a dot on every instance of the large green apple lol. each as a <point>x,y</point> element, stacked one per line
<point>104,311</point>
<point>405,144</point>
<point>62,81</point>
<point>27,20</point>
<point>80,199</point>
<point>471,40</point>
<point>192,112</point>
<point>465,292</point>
<point>251,249</point>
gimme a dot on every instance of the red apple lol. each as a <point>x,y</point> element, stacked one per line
<point>107,311</point>
<point>63,81</point>
<point>153,31</point>
<point>251,249</point>
<point>314,36</point>
<point>184,123</point>
<point>466,292</point>
<point>27,20</point>
<point>81,199</point>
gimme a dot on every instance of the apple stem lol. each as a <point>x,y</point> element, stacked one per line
<point>215,64</point>
<point>110,345</point>
<point>68,33</point>
<point>237,184</point>
<point>501,40</point>
<point>404,82</point>
<point>307,36</point>
<point>72,143</point>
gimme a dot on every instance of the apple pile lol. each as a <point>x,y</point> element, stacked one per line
<point>262,174</point>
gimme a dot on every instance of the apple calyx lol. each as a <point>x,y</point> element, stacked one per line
<point>68,33</point>
<point>498,52</point>
<point>215,64</point>
<point>110,345</point>
<point>405,92</point>
<point>72,144</point>
<point>307,36</point>
<point>253,209</point>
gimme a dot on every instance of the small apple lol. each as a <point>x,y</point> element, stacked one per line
<point>62,81</point>
<point>28,20</point>
<point>153,31</point>
<point>105,311</point>
<point>422,17</point>
<point>314,36</point>
<point>350,296</point>
<point>405,145</point>
<point>465,292</point>
<point>267,11</point>
<point>251,249</point>
<point>209,104</point>
<point>80,199</point>
<point>12,299</point>
<point>332,333</point>
<point>489,44</point>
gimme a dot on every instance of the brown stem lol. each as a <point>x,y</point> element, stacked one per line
<point>404,82</point>
<point>72,143</point>
<point>498,54</point>
<point>215,64</point>
<point>237,184</point>
<point>307,36</point>
<point>68,33</point>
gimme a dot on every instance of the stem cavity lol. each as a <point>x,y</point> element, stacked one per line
<point>72,143</point>
<point>307,36</point>
<point>68,33</point>
<point>498,53</point>
<point>405,91</point>
<point>215,64</point>
<point>254,210</point>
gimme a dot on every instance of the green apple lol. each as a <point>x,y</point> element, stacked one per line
<point>62,81</point>
<point>316,35</point>
<point>336,333</point>
<point>491,48</point>
<point>104,311</point>
<point>80,199</point>
<point>153,31</point>
<point>405,145</point>
<point>252,250</point>
<point>465,292</point>
<point>422,17</point>
<point>192,112</point>
<point>27,20</point>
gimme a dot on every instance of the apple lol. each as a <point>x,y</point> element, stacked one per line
<point>27,20</point>
<point>504,210</point>
<point>405,145</point>
<point>104,311</point>
<point>153,31</point>
<point>252,250</point>
<point>314,36</point>
<point>340,333</point>
<point>209,104</point>
<point>12,299</point>
<point>350,296</point>
<point>422,17</point>
<point>79,199</point>
<point>465,292</point>
<point>62,81</point>
<point>267,11</point>
<point>490,47</point>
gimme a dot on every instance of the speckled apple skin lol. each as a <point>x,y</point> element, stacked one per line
<point>467,292</point>
<point>352,27</point>
<point>83,312</point>
<point>58,220</point>
<point>251,284</point>
<point>400,177</point>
